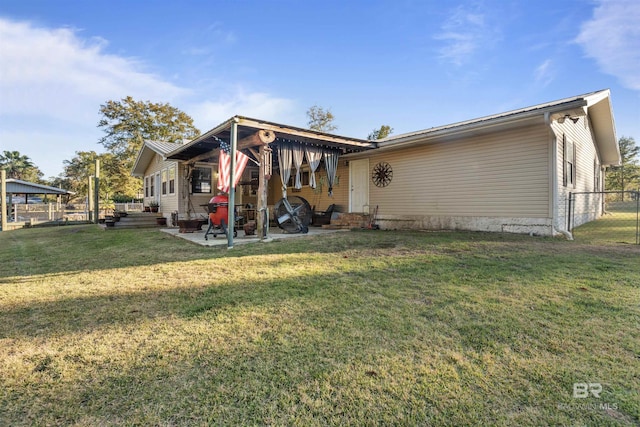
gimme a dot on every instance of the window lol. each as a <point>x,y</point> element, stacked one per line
<point>172,180</point>
<point>164,182</point>
<point>151,186</point>
<point>146,186</point>
<point>201,180</point>
<point>304,178</point>
<point>569,163</point>
<point>596,175</point>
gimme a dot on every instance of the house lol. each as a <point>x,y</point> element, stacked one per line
<point>183,178</point>
<point>509,172</point>
<point>161,178</point>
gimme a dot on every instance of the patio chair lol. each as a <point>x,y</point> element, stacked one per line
<point>322,217</point>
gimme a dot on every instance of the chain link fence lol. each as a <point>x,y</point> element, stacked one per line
<point>605,217</point>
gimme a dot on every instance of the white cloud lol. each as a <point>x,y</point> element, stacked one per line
<point>209,113</point>
<point>463,34</point>
<point>54,73</point>
<point>612,38</point>
<point>53,81</point>
<point>543,74</point>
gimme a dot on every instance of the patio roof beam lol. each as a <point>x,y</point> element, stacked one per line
<point>204,156</point>
<point>261,137</point>
<point>296,133</point>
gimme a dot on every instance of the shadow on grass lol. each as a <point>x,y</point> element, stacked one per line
<point>399,327</point>
<point>459,271</point>
<point>88,247</point>
<point>391,343</point>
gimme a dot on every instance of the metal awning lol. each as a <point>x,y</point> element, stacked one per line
<point>247,126</point>
<point>17,186</point>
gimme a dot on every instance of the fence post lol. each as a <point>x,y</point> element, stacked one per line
<point>638,217</point>
<point>96,193</point>
<point>3,202</point>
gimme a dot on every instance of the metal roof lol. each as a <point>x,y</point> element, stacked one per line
<point>149,149</point>
<point>248,126</point>
<point>597,103</point>
<point>17,186</point>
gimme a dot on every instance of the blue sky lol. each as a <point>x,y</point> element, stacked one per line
<point>408,64</point>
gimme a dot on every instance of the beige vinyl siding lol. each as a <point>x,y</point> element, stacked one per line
<point>581,134</point>
<point>168,202</point>
<point>505,174</point>
<point>319,197</point>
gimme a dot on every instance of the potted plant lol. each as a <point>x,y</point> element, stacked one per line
<point>190,225</point>
<point>154,206</point>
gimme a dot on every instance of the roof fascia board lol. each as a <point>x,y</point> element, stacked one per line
<point>480,125</point>
<point>304,133</point>
<point>138,158</point>
<point>208,134</point>
<point>603,124</point>
<point>278,128</point>
<point>476,125</point>
<point>54,190</point>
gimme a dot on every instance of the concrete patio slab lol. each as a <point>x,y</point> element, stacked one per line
<point>274,234</point>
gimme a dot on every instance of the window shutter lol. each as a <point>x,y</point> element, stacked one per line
<point>564,160</point>
<point>575,165</point>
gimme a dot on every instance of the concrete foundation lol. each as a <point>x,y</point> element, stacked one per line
<point>537,226</point>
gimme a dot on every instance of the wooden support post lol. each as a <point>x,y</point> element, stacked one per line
<point>90,199</point>
<point>264,174</point>
<point>3,194</point>
<point>232,190</point>
<point>96,196</point>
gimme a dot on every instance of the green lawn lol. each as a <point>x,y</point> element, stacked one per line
<point>618,225</point>
<point>359,328</point>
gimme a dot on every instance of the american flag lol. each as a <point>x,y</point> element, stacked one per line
<point>224,167</point>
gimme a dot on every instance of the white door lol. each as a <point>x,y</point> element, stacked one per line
<point>359,182</point>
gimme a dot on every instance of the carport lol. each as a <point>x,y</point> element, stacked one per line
<point>16,187</point>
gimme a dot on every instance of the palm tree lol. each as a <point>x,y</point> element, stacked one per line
<point>15,164</point>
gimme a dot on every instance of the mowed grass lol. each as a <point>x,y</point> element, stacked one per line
<point>358,328</point>
<point>618,225</point>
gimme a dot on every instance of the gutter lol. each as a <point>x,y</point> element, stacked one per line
<point>465,127</point>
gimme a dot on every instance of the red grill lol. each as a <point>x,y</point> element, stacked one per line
<point>218,210</point>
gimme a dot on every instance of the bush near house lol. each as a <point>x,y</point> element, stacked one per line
<point>353,328</point>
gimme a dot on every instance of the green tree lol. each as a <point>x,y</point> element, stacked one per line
<point>320,119</point>
<point>20,167</point>
<point>78,170</point>
<point>127,124</point>
<point>114,177</point>
<point>626,176</point>
<point>381,133</point>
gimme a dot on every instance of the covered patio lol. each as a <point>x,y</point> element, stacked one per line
<point>270,147</point>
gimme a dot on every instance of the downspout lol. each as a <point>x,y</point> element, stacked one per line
<point>554,178</point>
